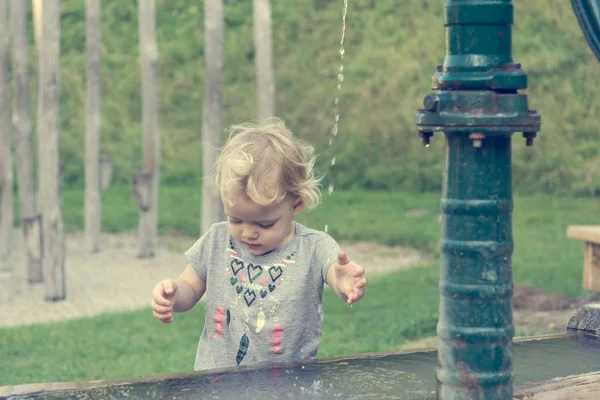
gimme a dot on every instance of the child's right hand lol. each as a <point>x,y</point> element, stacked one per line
<point>164,296</point>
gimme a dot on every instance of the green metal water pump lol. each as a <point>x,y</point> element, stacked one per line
<point>477,105</point>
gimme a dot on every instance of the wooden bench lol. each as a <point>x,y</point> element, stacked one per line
<point>591,258</point>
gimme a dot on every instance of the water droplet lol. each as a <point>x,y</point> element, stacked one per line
<point>337,117</point>
<point>330,189</point>
<point>342,51</point>
<point>336,101</point>
<point>341,67</point>
<point>333,161</point>
<point>326,228</point>
<point>340,77</point>
<point>427,145</point>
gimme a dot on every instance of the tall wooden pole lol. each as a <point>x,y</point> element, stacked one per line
<point>53,244</point>
<point>6,175</point>
<point>146,183</point>
<point>37,6</point>
<point>24,155</point>
<point>93,123</point>
<point>212,207</point>
<point>263,44</point>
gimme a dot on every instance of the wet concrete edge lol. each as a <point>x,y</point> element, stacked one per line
<point>47,387</point>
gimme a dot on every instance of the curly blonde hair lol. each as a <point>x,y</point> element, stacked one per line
<point>266,162</point>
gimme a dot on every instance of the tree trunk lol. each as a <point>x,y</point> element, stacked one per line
<point>53,250</point>
<point>6,178</point>
<point>93,122</point>
<point>37,25</point>
<point>148,225</point>
<point>263,45</point>
<point>23,138</point>
<point>37,31</point>
<point>212,207</point>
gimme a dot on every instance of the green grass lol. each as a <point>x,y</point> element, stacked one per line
<point>354,215</point>
<point>134,344</point>
<point>543,256</point>
<point>399,307</point>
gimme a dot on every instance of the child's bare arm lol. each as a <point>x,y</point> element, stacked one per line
<point>177,295</point>
<point>191,288</point>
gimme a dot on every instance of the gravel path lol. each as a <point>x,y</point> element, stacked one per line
<point>116,280</point>
<point>111,280</point>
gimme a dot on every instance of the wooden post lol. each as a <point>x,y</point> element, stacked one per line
<point>92,133</point>
<point>212,207</point>
<point>148,224</point>
<point>591,256</point>
<point>32,231</point>
<point>22,131</point>
<point>37,27</point>
<point>141,185</point>
<point>263,45</point>
<point>37,32</point>
<point>106,167</point>
<point>591,262</point>
<point>53,250</point>
<point>6,178</point>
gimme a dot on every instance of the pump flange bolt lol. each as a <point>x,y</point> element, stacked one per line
<point>529,138</point>
<point>430,102</point>
<point>477,139</point>
<point>425,136</point>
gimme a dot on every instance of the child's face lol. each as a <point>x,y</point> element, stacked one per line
<point>261,229</point>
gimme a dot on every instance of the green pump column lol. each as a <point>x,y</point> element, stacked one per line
<point>475,102</point>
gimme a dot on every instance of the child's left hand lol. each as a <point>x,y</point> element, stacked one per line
<point>350,279</point>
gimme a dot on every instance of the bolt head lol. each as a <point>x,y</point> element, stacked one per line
<point>425,137</point>
<point>529,136</point>
<point>477,138</point>
<point>430,102</point>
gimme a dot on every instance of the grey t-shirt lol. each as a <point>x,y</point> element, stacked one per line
<point>261,308</point>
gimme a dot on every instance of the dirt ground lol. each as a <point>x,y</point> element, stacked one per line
<point>534,313</point>
<point>116,280</point>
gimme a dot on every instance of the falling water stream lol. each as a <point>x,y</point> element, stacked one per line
<point>340,80</point>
